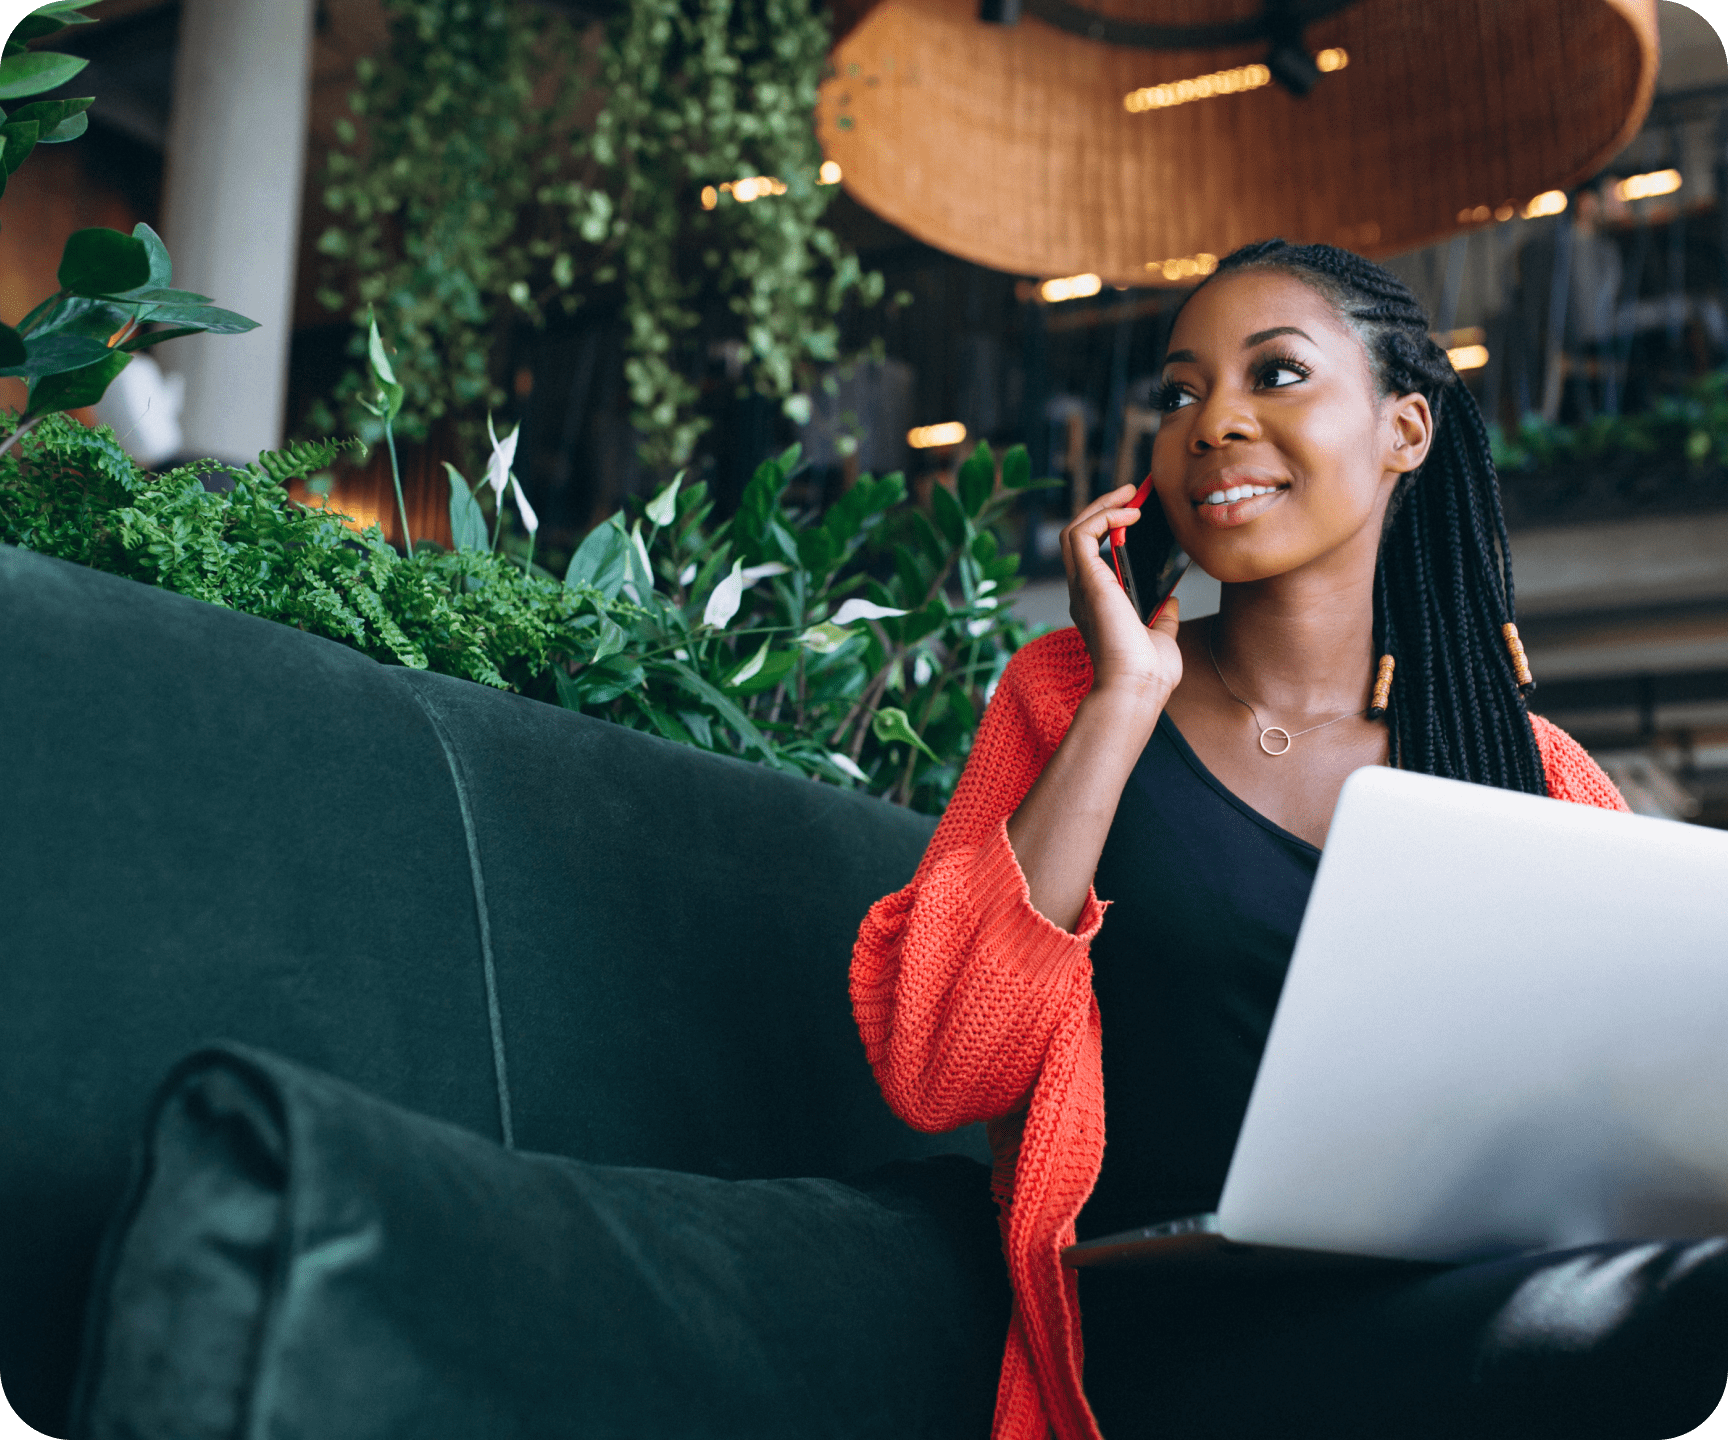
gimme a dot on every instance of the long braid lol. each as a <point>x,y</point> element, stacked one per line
<point>1443,585</point>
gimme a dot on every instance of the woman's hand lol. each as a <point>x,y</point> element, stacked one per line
<point>1128,658</point>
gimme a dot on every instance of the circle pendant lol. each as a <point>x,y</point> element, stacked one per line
<point>1276,730</point>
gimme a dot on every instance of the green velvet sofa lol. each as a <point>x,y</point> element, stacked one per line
<point>534,929</point>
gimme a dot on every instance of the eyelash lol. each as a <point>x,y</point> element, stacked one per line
<point>1169,395</point>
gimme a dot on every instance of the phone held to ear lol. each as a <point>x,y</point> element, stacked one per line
<point>1149,560</point>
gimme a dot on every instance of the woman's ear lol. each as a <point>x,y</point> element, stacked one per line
<point>1412,432</point>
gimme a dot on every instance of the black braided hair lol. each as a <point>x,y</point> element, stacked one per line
<point>1443,584</point>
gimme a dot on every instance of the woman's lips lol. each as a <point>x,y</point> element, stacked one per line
<point>1239,512</point>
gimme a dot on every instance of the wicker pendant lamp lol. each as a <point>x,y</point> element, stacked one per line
<point>1015,145</point>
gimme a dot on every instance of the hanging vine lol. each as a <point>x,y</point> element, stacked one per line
<point>501,164</point>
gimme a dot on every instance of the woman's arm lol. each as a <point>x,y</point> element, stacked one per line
<point>960,979</point>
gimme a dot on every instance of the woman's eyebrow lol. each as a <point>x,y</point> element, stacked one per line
<point>1259,337</point>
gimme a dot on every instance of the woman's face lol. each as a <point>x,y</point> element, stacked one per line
<point>1276,449</point>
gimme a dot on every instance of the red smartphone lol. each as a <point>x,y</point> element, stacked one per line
<point>1149,559</point>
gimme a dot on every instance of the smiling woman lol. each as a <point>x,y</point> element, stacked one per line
<point>1319,457</point>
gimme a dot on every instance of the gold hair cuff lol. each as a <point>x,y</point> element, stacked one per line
<point>1382,688</point>
<point>1515,648</point>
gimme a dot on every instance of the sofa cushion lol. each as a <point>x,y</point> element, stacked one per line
<point>298,1258</point>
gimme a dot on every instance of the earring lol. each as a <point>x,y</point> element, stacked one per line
<point>1382,688</point>
<point>1520,664</point>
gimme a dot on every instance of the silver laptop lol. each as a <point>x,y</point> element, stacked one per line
<point>1504,1028</point>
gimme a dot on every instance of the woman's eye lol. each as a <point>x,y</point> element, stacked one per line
<point>1174,397</point>
<point>1270,376</point>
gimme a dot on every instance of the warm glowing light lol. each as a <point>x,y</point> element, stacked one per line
<point>829,174</point>
<point>1468,357</point>
<point>928,437</point>
<point>1549,202</point>
<point>1070,287</point>
<point>744,191</point>
<point>1189,267</point>
<point>1330,60</point>
<point>1479,215</point>
<point>1505,212</point>
<point>1202,87</point>
<point>1647,187</point>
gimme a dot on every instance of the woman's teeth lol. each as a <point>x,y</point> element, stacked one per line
<point>1237,492</point>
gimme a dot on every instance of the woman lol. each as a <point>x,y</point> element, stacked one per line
<point>1319,457</point>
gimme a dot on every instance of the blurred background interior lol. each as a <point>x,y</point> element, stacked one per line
<point>1591,324</point>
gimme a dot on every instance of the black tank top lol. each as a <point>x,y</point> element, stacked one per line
<point>1207,898</point>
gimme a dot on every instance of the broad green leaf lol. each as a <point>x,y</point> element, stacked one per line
<point>663,508</point>
<point>68,129</point>
<point>71,389</point>
<point>99,262</point>
<point>1016,468</point>
<point>741,724</point>
<point>36,71</point>
<point>204,317</point>
<point>600,559</point>
<point>950,519</point>
<point>156,337</point>
<point>53,353</point>
<point>607,679</point>
<point>12,350</point>
<point>20,137</point>
<point>161,267</point>
<point>162,295</point>
<point>467,520</point>
<point>977,479</point>
<point>610,641</point>
<point>891,727</point>
<point>775,668</point>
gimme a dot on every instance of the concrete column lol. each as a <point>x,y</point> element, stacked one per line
<point>236,152</point>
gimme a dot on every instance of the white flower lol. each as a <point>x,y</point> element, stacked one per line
<point>530,521</point>
<point>751,667</point>
<point>922,669</point>
<point>825,638</point>
<point>727,597</point>
<point>854,610</point>
<point>687,574</point>
<point>847,765</point>
<point>762,572</point>
<point>663,508</point>
<point>503,457</point>
<point>975,628</point>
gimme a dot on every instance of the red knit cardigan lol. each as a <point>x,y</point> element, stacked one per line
<point>973,1006</point>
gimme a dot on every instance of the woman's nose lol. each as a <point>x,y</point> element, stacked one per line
<point>1225,415</point>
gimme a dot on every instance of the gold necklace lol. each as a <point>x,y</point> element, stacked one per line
<point>1266,730</point>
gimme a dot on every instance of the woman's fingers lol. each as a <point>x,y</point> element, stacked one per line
<point>1169,618</point>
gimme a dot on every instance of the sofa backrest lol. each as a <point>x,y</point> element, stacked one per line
<point>470,903</point>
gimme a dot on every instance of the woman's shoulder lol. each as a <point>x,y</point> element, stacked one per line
<point>1572,774</point>
<point>1047,678</point>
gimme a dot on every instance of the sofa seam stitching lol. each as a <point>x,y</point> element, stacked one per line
<point>494,1010</point>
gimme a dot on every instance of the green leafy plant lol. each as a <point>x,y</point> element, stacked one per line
<point>1689,427</point>
<point>500,165</point>
<point>72,345</point>
<point>855,644</point>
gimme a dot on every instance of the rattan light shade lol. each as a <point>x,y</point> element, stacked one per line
<point>1010,145</point>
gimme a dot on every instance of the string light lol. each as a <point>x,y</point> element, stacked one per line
<point>1189,267</point>
<point>1647,187</point>
<point>1549,202</point>
<point>1070,287</point>
<point>829,174</point>
<point>1219,82</point>
<point>1468,357</point>
<point>755,187</point>
<point>928,437</point>
<point>1464,348</point>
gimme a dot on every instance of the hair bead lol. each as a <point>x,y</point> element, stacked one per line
<point>1382,688</point>
<point>1520,664</point>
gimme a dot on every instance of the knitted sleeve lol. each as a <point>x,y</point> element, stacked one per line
<point>1572,774</point>
<point>958,983</point>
